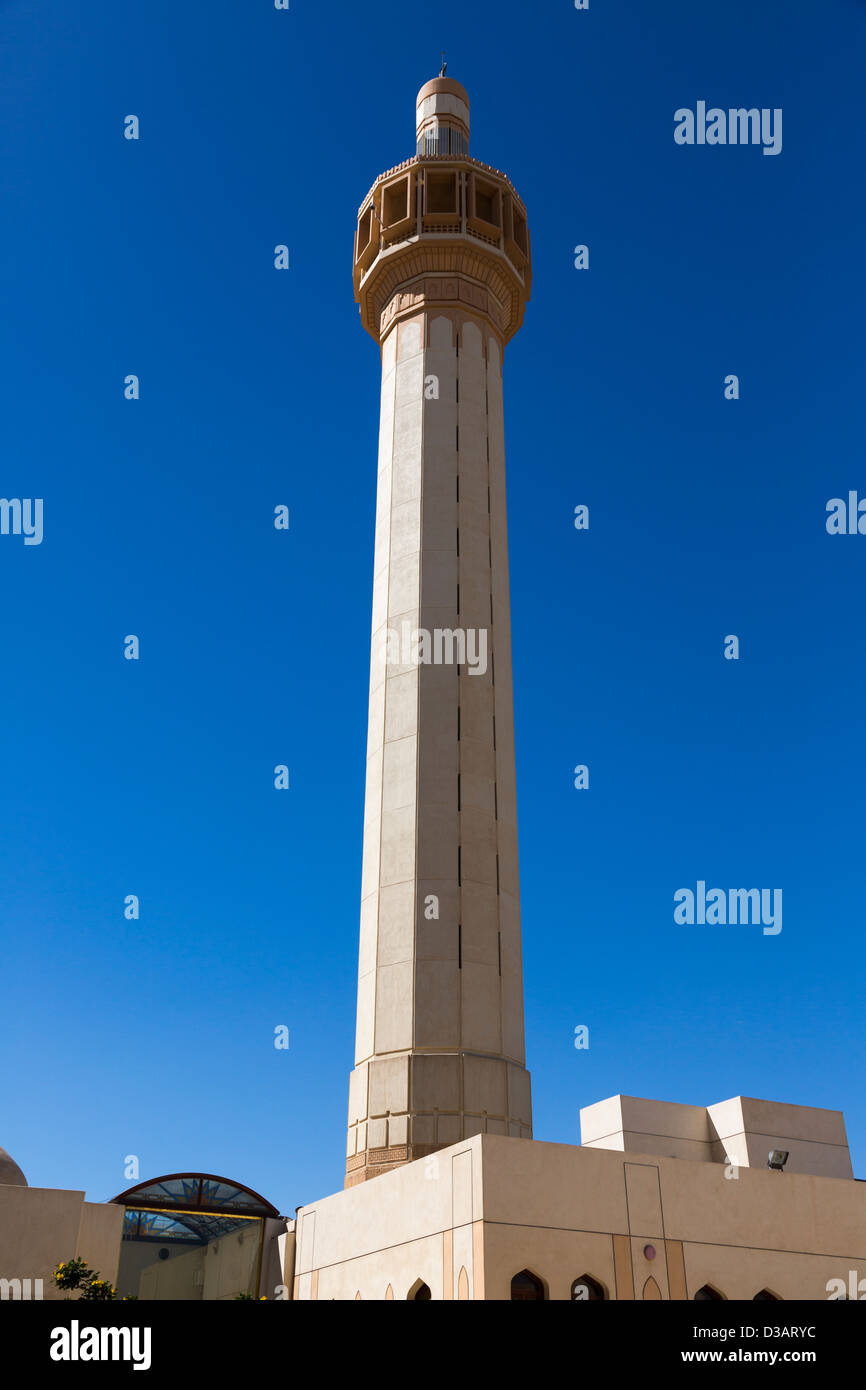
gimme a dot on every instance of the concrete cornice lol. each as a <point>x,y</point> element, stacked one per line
<point>440,270</point>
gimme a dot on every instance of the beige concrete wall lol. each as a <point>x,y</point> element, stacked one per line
<point>135,1257</point>
<point>416,1222</point>
<point>39,1227</point>
<point>180,1279</point>
<point>757,1226</point>
<point>747,1129</point>
<point>742,1129</point>
<point>369,1276</point>
<point>495,1206</point>
<point>741,1273</point>
<point>278,1250</point>
<point>99,1237</point>
<point>556,1257</point>
<point>647,1126</point>
<point>216,1272</point>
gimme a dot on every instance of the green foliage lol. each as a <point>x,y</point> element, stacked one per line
<point>77,1275</point>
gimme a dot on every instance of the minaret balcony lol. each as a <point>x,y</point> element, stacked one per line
<point>434,205</point>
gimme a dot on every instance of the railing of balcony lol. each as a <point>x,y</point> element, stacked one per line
<point>443,139</point>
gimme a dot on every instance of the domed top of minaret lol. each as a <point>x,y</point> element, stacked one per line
<point>10,1173</point>
<point>442,117</point>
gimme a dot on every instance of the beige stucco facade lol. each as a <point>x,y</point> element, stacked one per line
<point>741,1131</point>
<point>642,1225</point>
<point>40,1226</point>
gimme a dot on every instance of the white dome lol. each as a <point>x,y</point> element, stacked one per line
<point>10,1173</point>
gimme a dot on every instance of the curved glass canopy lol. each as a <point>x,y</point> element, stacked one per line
<point>193,1236</point>
<point>197,1192</point>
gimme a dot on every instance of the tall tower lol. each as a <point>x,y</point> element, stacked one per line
<point>442,275</point>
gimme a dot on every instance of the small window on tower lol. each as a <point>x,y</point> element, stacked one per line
<point>441,194</point>
<point>365,231</point>
<point>395,205</point>
<point>485,206</point>
<point>520,230</point>
<point>484,203</point>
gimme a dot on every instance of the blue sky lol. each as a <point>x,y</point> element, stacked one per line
<point>259,387</point>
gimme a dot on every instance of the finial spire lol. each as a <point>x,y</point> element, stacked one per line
<point>444,65</point>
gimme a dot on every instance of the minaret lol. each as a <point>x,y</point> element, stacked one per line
<point>442,275</point>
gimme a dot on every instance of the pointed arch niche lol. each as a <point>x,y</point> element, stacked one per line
<point>526,1287</point>
<point>419,1292</point>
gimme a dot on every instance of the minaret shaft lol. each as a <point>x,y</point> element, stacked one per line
<point>439,1042</point>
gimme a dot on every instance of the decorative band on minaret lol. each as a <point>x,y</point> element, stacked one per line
<point>442,276</point>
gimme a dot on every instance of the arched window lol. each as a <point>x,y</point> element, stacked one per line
<point>462,1284</point>
<point>526,1288</point>
<point>588,1290</point>
<point>389,1294</point>
<point>419,1292</point>
<point>766,1296</point>
<point>707,1294</point>
<point>358,1296</point>
<point>651,1291</point>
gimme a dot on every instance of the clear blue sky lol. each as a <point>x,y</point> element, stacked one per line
<point>259,387</point>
